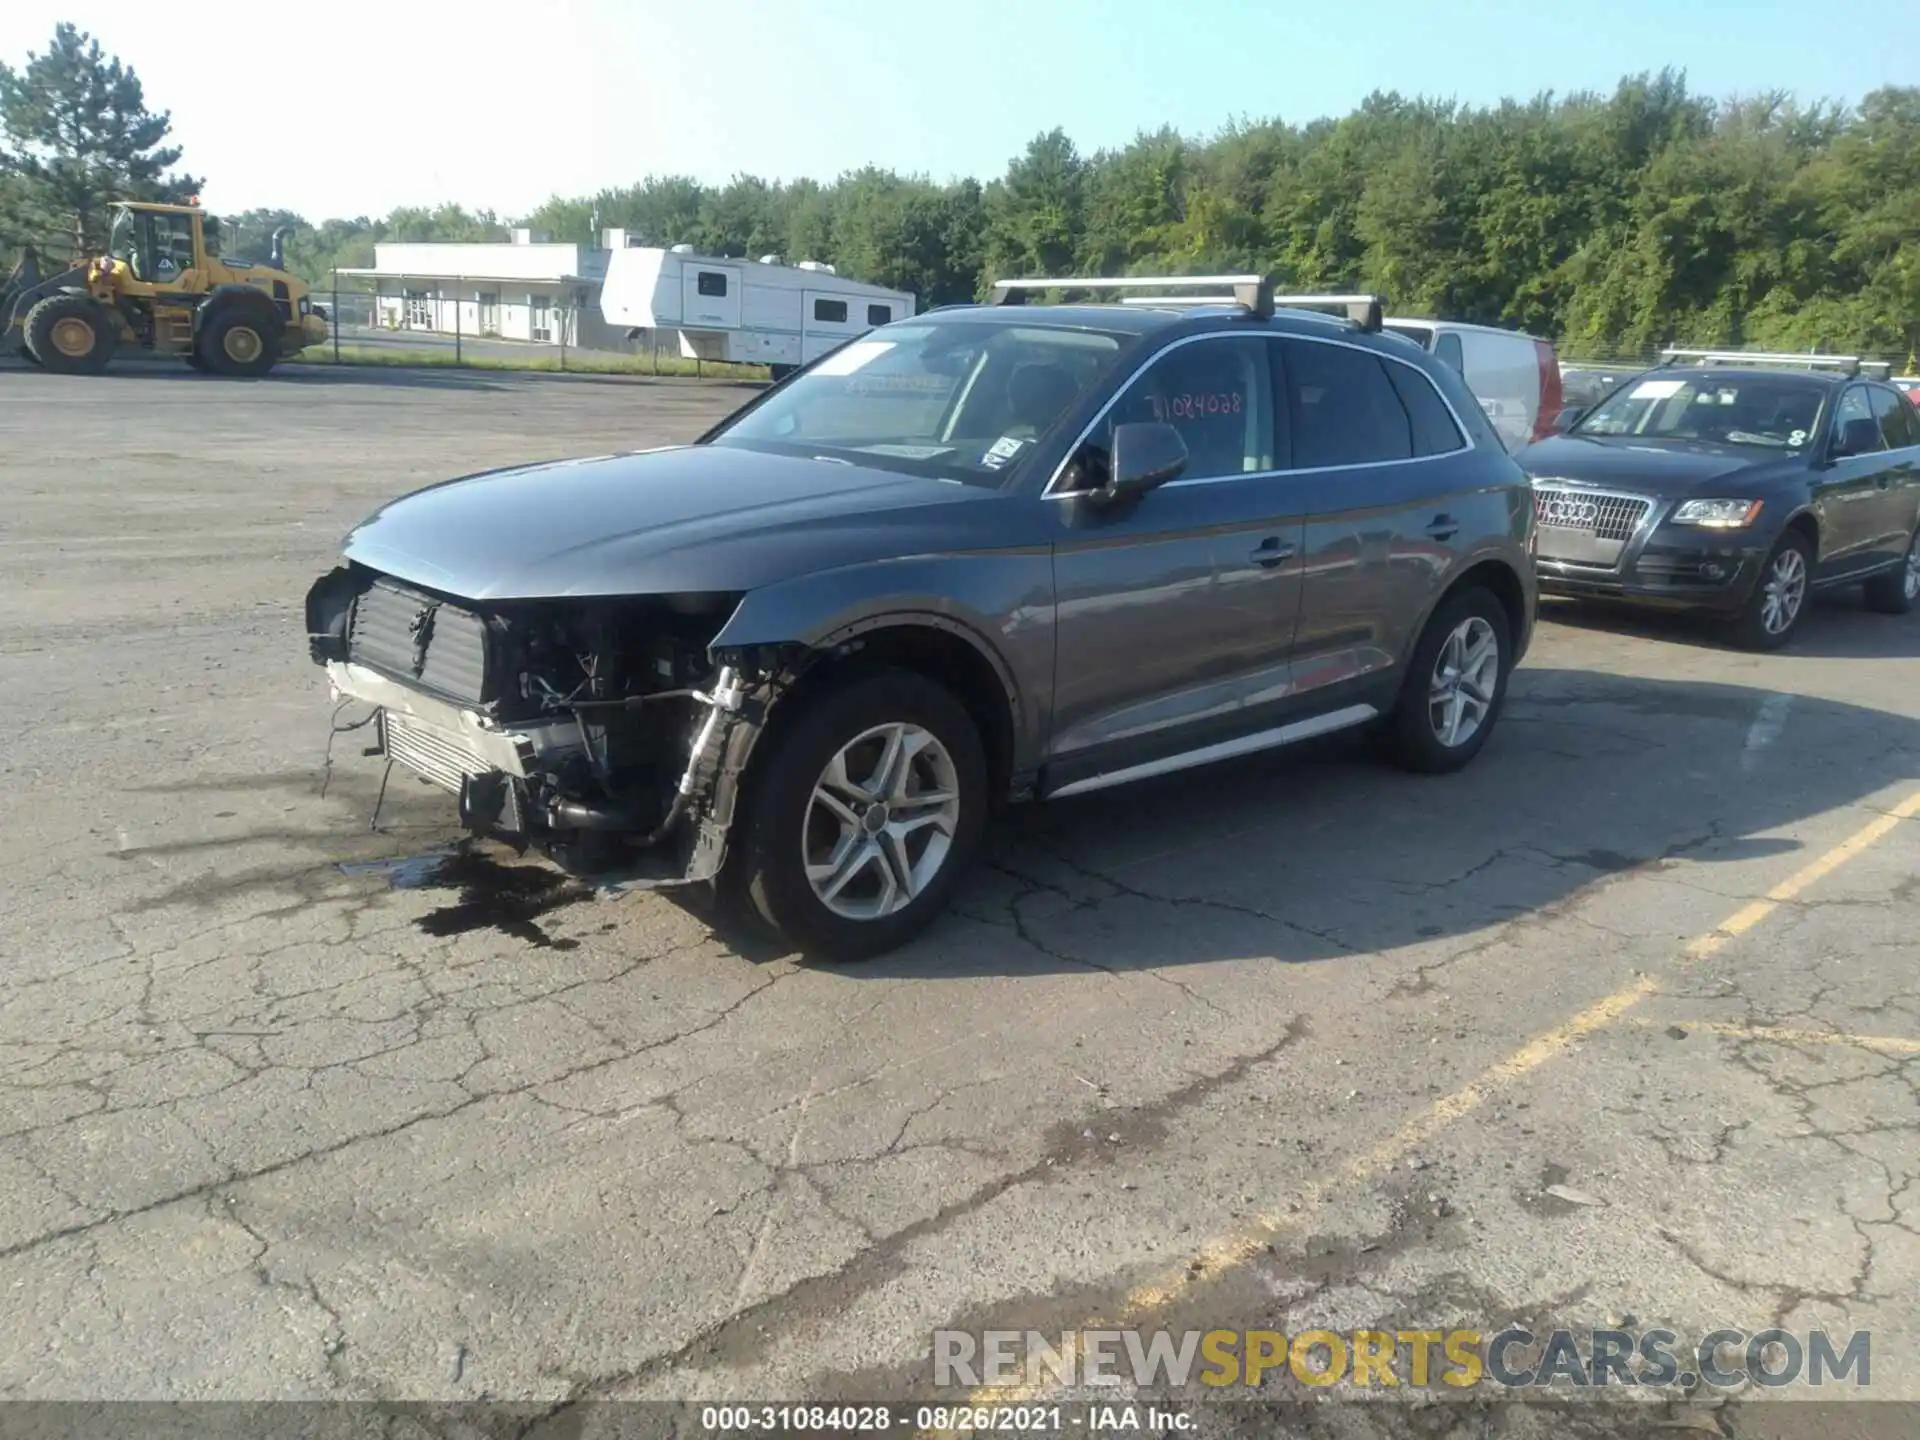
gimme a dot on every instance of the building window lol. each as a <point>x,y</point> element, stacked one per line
<point>830,312</point>
<point>879,314</point>
<point>712,283</point>
<point>539,318</point>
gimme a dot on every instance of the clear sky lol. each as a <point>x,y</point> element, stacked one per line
<point>353,107</point>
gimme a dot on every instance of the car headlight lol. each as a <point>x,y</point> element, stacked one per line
<point>1717,514</point>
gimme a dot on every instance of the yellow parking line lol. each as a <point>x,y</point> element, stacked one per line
<point>1788,1035</point>
<point>1252,1239</point>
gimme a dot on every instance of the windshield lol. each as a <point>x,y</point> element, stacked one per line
<point>1769,412</point>
<point>955,401</point>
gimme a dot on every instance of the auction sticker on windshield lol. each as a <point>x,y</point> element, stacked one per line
<point>1657,389</point>
<point>845,362</point>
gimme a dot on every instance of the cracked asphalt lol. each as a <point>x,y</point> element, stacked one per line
<point>286,1112</point>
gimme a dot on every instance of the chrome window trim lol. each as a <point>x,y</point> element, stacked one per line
<point>1460,428</point>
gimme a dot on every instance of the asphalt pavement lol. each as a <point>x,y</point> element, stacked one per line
<point>1622,1024</point>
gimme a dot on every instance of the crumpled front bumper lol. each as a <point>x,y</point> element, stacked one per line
<point>501,777</point>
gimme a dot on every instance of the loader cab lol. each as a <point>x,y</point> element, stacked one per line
<point>159,244</point>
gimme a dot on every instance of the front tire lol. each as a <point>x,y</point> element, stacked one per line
<point>1773,612</point>
<point>1896,592</point>
<point>869,811</point>
<point>238,342</point>
<point>1455,686</point>
<point>71,335</point>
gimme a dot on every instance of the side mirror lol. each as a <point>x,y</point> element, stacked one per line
<point>1145,455</point>
<point>1860,436</point>
<point>1568,418</point>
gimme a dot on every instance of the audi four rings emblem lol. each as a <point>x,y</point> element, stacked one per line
<point>1568,513</point>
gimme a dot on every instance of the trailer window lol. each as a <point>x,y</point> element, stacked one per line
<point>831,312</point>
<point>879,314</point>
<point>712,282</point>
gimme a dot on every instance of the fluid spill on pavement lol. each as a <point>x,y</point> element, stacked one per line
<point>405,872</point>
<point>493,896</point>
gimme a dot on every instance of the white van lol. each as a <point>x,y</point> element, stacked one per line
<point>744,311</point>
<point>1516,377</point>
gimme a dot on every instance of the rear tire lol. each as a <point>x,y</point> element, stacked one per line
<point>236,341</point>
<point>1896,592</point>
<point>845,855</point>
<point>71,334</point>
<point>1455,686</point>
<point>1773,612</point>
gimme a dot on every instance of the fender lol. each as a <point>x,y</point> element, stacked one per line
<point>1499,555</point>
<point>999,604</point>
<point>221,297</point>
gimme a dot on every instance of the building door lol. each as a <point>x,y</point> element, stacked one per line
<point>540,319</point>
<point>419,310</point>
<point>489,301</point>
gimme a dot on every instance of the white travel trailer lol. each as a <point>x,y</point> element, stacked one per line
<point>748,312</point>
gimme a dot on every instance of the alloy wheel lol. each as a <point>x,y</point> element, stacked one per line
<point>1911,580</point>
<point>1465,677</point>
<point>1784,591</point>
<point>880,821</point>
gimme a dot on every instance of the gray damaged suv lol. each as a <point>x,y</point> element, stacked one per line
<point>990,553</point>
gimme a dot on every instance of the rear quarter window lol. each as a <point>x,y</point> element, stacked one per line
<point>1434,429</point>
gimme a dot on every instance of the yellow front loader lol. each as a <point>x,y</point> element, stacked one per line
<point>163,288</point>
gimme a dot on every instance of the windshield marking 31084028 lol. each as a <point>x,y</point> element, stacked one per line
<point>943,400</point>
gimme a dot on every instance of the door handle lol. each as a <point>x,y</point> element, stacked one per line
<point>1443,527</point>
<point>1271,551</point>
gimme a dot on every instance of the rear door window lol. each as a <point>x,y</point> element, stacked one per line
<point>1341,407</point>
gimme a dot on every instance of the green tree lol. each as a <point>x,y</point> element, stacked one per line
<point>82,137</point>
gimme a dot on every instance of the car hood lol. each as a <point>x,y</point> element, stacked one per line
<point>1665,469</point>
<point>688,518</point>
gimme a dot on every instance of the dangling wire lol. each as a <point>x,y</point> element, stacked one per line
<point>334,727</point>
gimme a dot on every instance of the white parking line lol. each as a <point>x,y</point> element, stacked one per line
<point>1766,728</point>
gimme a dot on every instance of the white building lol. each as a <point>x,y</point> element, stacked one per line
<point>529,289</point>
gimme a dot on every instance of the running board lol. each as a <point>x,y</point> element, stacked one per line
<point>1225,750</point>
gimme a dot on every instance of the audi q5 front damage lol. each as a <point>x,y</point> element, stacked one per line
<point>600,731</point>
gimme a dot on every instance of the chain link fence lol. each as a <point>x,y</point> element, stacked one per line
<point>468,322</point>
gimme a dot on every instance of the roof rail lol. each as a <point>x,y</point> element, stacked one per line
<point>1850,364</point>
<point>1366,311</point>
<point>1252,292</point>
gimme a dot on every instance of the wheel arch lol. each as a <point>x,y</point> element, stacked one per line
<point>943,649</point>
<point>1805,522</point>
<point>1494,574</point>
<point>222,299</point>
